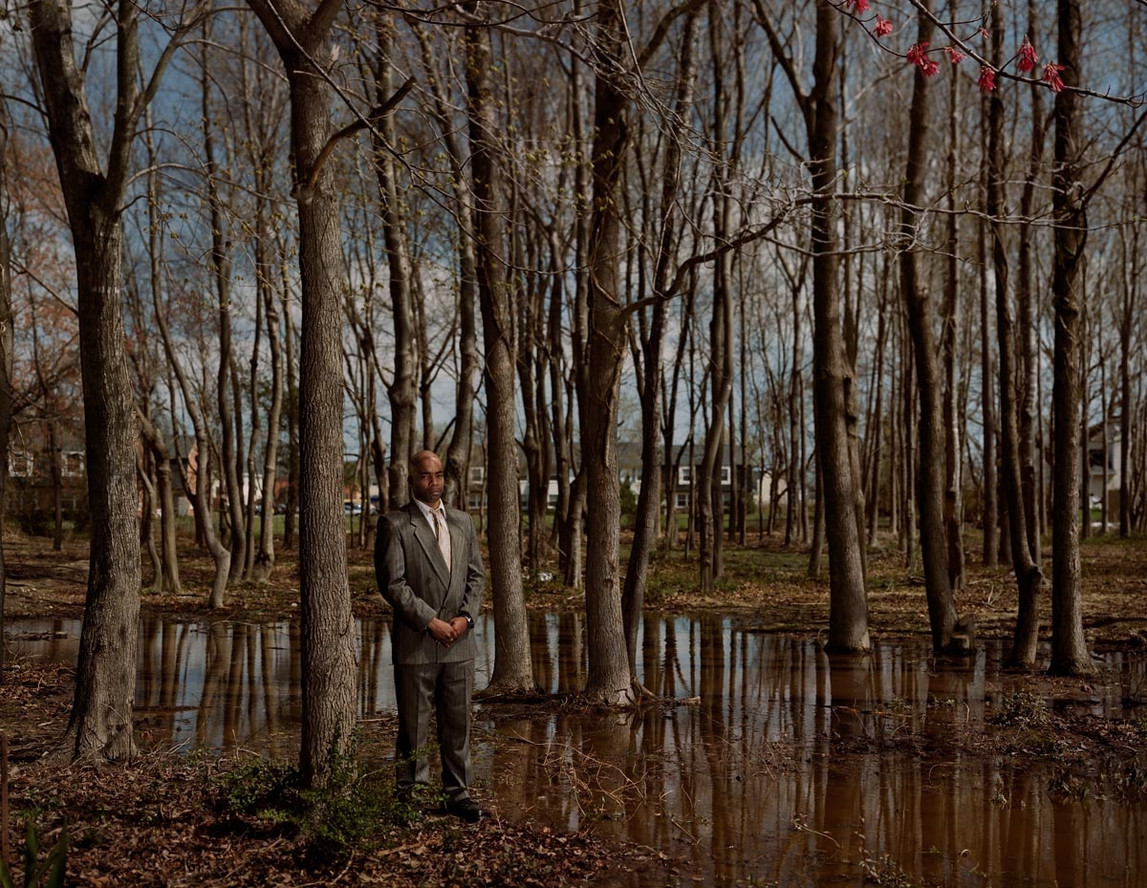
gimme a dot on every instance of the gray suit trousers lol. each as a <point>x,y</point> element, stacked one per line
<point>448,687</point>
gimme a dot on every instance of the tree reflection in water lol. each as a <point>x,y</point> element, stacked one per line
<point>760,759</point>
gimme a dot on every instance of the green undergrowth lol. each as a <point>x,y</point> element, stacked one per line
<point>356,809</point>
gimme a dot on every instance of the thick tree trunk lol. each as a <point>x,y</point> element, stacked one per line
<point>100,726</point>
<point>1069,654</point>
<point>512,667</point>
<point>326,621</point>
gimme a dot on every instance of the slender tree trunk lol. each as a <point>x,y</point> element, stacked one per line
<point>609,679</point>
<point>221,273</point>
<point>652,456</point>
<point>401,391</point>
<point>954,476</point>
<point>6,356</point>
<point>1028,321</point>
<point>512,667</point>
<point>458,453</point>
<point>933,531</point>
<point>168,579</point>
<point>1069,654</point>
<point>990,514</point>
<point>265,559</point>
<point>1027,572</point>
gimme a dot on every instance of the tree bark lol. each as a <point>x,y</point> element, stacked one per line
<point>100,726</point>
<point>326,621</point>
<point>1069,654</point>
<point>609,678</point>
<point>933,531</point>
<point>6,356</point>
<point>512,667</point>
<point>401,391</point>
<point>652,456</point>
<point>1027,572</point>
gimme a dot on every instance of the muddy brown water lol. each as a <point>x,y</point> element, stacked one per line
<point>772,764</point>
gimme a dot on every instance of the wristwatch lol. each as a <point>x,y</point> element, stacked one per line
<point>469,619</point>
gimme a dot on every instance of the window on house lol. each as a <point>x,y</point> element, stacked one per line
<point>726,474</point>
<point>684,474</point>
<point>20,464</point>
<point>682,501</point>
<point>477,474</point>
<point>71,463</point>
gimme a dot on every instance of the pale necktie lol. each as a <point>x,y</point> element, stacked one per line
<point>443,534</point>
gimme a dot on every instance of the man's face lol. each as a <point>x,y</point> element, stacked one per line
<point>428,480</point>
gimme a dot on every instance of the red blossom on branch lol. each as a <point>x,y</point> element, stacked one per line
<point>860,5</point>
<point>917,55</point>
<point>883,27</point>
<point>954,55</point>
<point>987,81</point>
<point>1051,76</point>
<point>1028,57</point>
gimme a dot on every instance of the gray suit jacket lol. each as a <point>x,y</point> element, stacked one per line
<point>413,578</point>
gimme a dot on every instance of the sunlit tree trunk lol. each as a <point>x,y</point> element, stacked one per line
<point>100,726</point>
<point>326,622</point>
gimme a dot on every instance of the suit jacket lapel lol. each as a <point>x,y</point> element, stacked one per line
<point>429,542</point>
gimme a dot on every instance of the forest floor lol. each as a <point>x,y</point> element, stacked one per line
<point>127,826</point>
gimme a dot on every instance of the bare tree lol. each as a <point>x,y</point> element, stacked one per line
<point>512,668</point>
<point>327,624</point>
<point>6,343</point>
<point>100,726</point>
<point>1069,654</point>
<point>933,530</point>
<point>848,615</point>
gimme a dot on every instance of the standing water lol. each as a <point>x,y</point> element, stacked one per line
<point>759,760</point>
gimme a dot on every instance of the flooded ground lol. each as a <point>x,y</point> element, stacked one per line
<point>762,761</point>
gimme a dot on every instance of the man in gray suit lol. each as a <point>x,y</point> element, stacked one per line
<point>429,569</point>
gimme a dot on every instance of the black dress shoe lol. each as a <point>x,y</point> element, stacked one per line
<point>465,809</point>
